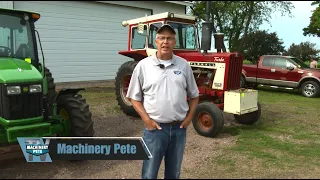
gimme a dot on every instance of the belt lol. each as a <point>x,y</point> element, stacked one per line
<point>172,123</point>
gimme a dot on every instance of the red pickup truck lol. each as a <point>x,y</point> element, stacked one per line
<point>282,72</point>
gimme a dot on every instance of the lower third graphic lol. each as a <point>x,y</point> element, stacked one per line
<point>35,150</point>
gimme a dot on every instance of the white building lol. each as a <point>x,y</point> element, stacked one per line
<point>81,40</point>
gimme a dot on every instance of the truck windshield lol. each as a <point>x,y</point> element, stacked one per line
<point>297,62</point>
<point>15,37</point>
<point>185,36</point>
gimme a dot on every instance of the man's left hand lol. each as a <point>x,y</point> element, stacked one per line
<point>186,122</point>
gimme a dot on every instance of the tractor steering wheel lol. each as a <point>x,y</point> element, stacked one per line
<point>6,52</point>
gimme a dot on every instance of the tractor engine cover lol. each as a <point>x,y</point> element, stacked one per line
<point>219,71</point>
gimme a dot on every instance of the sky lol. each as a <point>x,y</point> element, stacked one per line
<point>290,29</point>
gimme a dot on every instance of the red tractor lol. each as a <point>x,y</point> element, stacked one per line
<point>217,74</point>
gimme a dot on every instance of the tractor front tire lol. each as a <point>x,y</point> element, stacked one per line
<point>76,110</point>
<point>208,120</point>
<point>249,118</point>
<point>121,86</point>
<point>52,93</point>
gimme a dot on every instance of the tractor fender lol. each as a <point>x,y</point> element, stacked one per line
<point>64,91</point>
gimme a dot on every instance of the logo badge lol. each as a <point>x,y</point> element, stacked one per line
<point>25,89</point>
<point>35,150</point>
<point>177,72</point>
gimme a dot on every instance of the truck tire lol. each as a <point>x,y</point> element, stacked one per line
<point>74,108</point>
<point>249,118</point>
<point>208,120</point>
<point>242,82</point>
<point>52,93</point>
<point>310,89</point>
<point>121,85</point>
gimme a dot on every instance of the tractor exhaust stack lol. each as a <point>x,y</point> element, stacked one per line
<point>218,41</point>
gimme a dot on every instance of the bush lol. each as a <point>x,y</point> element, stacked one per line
<point>247,62</point>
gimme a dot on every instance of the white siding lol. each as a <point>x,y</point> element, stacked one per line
<point>156,6</point>
<point>6,4</point>
<point>81,40</point>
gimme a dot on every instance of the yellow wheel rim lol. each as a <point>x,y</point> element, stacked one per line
<point>64,114</point>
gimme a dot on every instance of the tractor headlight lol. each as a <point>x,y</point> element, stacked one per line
<point>35,88</point>
<point>13,90</point>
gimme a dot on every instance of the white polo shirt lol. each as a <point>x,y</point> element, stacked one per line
<point>163,91</point>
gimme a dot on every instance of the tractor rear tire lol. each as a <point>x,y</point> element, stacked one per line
<point>121,85</point>
<point>249,118</point>
<point>78,114</point>
<point>208,120</point>
<point>52,93</point>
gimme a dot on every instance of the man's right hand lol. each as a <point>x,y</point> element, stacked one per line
<point>152,125</point>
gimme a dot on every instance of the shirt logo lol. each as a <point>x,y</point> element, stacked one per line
<point>177,72</point>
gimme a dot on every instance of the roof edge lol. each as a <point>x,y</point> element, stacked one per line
<point>184,3</point>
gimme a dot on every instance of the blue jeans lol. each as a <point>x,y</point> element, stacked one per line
<point>169,142</point>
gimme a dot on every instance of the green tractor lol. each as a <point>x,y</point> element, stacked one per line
<point>30,106</point>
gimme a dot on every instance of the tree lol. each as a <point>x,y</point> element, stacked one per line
<point>314,26</point>
<point>302,51</point>
<point>237,18</point>
<point>261,43</point>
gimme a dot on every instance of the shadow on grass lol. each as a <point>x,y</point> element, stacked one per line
<point>281,91</point>
<point>262,124</point>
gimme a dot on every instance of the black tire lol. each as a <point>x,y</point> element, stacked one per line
<point>211,124</point>
<point>310,89</point>
<point>52,93</point>
<point>125,71</point>
<point>79,114</point>
<point>242,82</point>
<point>249,118</point>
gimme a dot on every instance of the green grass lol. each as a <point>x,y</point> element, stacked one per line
<point>287,135</point>
<point>102,101</point>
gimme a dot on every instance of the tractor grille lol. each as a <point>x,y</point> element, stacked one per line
<point>24,105</point>
<point>234,73</point>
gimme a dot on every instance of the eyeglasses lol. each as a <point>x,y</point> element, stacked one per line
<point>170,39</point>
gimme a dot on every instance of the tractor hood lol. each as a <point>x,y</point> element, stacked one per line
<point>14,70</point>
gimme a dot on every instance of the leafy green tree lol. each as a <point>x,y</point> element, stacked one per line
<point>261,43</point>
<point>314,26</point>
<point>303,51</point>
<point>237,18</point>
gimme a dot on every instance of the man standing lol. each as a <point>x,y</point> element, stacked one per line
<point>313,63</point>
<point>159,87</point>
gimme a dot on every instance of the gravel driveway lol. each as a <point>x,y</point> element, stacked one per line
<point>198,150</point>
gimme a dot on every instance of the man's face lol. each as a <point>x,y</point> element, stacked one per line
<point>165,42</point>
